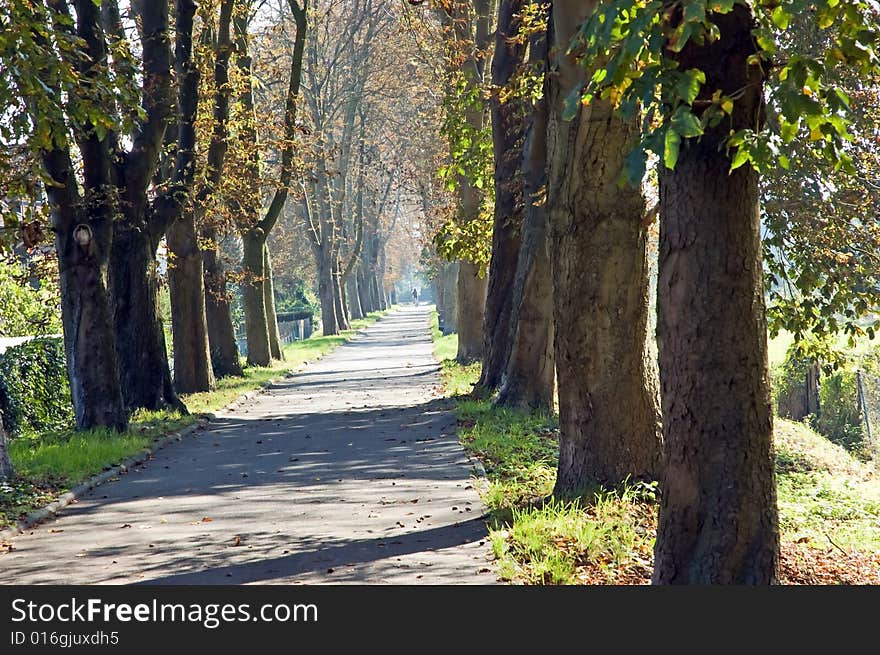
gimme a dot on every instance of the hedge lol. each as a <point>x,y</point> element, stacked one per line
<point>34,389</point>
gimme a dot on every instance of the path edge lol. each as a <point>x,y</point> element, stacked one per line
<point>49,511</point>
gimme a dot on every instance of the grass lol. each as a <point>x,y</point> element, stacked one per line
<point>829,503</point>
<point>53,463</point>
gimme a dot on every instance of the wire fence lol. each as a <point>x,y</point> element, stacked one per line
<point>869,408</point>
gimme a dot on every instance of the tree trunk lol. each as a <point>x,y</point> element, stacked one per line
<point>608,405</point>
<point>256,325</point>
<point>275,346</point>
<point>450,295</point>
<point>140,337</point>
<point>530,376</point>
<point>338,301</point>
<point>471,303</point>
<point>89,341</point>
<point>225,358</point>
<point>326,293</point>
<point>363,292</point>
<point>508,123</point>
<point>193,371</point>
<point>353,295</point>
<point>6,472</point>
<point>718,516</point>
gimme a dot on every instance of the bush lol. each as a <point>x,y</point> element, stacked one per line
<point>34,390</point>
<point>27,311</point>
<point>840,419</point>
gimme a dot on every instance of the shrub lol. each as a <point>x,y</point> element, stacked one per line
<point>34,390</point>
<point>840,419</point>
<point>27,310</point>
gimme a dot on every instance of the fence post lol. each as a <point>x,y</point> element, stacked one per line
<point>863,406</point>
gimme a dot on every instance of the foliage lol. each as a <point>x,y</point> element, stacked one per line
<point>34,389</point>
<point>638,39</point>
<point>27,311</point>
<point>839,417</point>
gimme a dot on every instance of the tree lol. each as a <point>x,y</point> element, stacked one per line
<point>467,237</point>
<point>142,220</point>
<point>6,472</point>
<point>193,368</point>
<point>699,72</point>
<point>508,127</point>
<point>258,296</point>
<point>529,378</point>
<point>48,57</point>
<point>608,405</point>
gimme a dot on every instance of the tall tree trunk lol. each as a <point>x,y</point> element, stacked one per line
<point>608,399</point>
<point>193,371</point>
<point>339,302</point>
<point>507,136</point>
<point>450,295</point>
<point>6,472</point>
<point>529,379</point>
<point>363,291</point>
<point>326,293</point>
<point>225,357</point>
<point>353,295</point>
<point>718,515</point>
<point>471,303</point>
<point>275,346</point>
<point>89,341</point>
<point>140,336</point>
<point>256,325</point>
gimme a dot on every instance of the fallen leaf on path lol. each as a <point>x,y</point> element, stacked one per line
<point>125,525</point>
<point>236,541</point>
<point>207,519</point>
<point>53,531</point>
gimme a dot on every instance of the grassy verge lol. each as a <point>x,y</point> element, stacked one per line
<point>829,503</point>
<point>53,463</point>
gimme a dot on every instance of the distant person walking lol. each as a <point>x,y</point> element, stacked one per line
<point>415,295</point>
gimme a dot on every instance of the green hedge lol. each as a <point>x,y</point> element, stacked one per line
<point>34,390</point>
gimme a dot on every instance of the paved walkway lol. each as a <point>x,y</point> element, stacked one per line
<point>348,472</point>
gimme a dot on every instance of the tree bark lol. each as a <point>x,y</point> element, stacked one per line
<point>6,472</point>
<point>471,303</point>
<point>354,299</point>
<point>718,518</point>
<point>140,335</point>
<point>275,346</point>
<point>338,301</point>
<point>256,325</point>
<point>508,122</point>
<point>608,398</point>
<point>450,295</point>
<point>194,369</point>
<point>363,291</point>
<point>529,378</point>
<point>189,323</point>
<point>83,225</point>
<point>225,357</point>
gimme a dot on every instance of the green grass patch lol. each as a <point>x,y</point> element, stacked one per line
<point>52,463</point>
<point>826,496</point>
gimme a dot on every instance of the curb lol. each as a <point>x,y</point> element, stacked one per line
<point>49,511</point>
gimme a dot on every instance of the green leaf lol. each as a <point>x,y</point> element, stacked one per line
<point>741,157</point>
<point>780,17</point>
<point>688,87</point>
<point>671,144</point>
<point>685,123</point>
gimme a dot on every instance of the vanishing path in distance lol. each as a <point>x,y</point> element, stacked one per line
<point>349,471</point>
